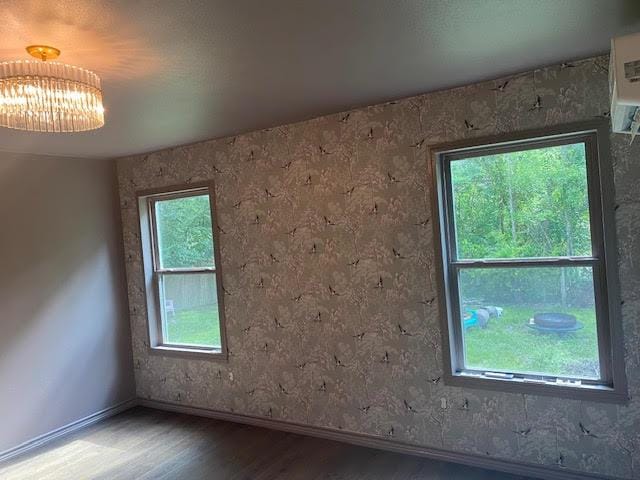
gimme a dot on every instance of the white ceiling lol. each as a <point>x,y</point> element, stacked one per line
<point>176,72</point>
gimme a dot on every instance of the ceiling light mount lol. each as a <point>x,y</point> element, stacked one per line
<point>43,52</point>
<point>44,96</point>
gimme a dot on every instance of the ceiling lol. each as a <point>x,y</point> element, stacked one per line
<point>176,72</point>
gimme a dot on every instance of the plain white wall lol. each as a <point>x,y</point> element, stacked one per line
<point>65,349</point>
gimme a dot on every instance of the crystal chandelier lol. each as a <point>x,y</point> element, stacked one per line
<point>43,96</point>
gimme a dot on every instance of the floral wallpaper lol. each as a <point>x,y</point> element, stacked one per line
<point>328,270</point>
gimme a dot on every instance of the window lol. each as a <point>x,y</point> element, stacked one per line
<point>529,287</point>
<point>181,264</point>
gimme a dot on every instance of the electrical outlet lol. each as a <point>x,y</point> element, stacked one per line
<point>443,403</point>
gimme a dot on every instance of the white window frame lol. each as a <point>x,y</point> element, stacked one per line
<point>154,273</point>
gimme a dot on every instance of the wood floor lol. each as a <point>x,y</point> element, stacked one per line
<point>149,444</point>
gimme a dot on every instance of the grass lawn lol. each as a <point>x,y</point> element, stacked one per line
<point>508,344</point>
<point>197,326</point>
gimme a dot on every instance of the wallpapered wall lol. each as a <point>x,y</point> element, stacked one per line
<point>327,325</point>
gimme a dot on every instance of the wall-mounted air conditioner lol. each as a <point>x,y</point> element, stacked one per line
<point>624,84</point>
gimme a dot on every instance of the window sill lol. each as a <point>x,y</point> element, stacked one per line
<point>215,354</point>
<point>596,393</point>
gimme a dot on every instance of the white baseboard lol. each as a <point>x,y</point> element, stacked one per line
<point>517,468</point>
<point>67,429</point>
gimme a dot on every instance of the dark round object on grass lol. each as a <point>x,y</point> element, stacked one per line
<point>554,320</point>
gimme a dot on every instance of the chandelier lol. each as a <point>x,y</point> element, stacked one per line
<point>44,96</point>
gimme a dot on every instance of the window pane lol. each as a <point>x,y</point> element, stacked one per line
<point>189,305</point>
<point>532,203</point>
<point>185,236</point>
<point>538,320</point>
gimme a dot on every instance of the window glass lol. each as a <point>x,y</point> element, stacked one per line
<point>531,320</point>
<point>185,236</point>
<point>530,203</point>
<point>189,306</point>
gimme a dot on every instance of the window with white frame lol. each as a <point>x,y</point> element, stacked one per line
<point>528,270</point>
<point>181,264</point>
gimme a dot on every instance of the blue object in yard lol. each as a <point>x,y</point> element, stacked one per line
<point>479,317</point>
<point>470,319</point>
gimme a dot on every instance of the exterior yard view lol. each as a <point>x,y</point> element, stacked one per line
<point>188,287</point>
<point>507,343</point>
<point>191,315</point>
<point>520,213</point>
<point>194,326</point>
